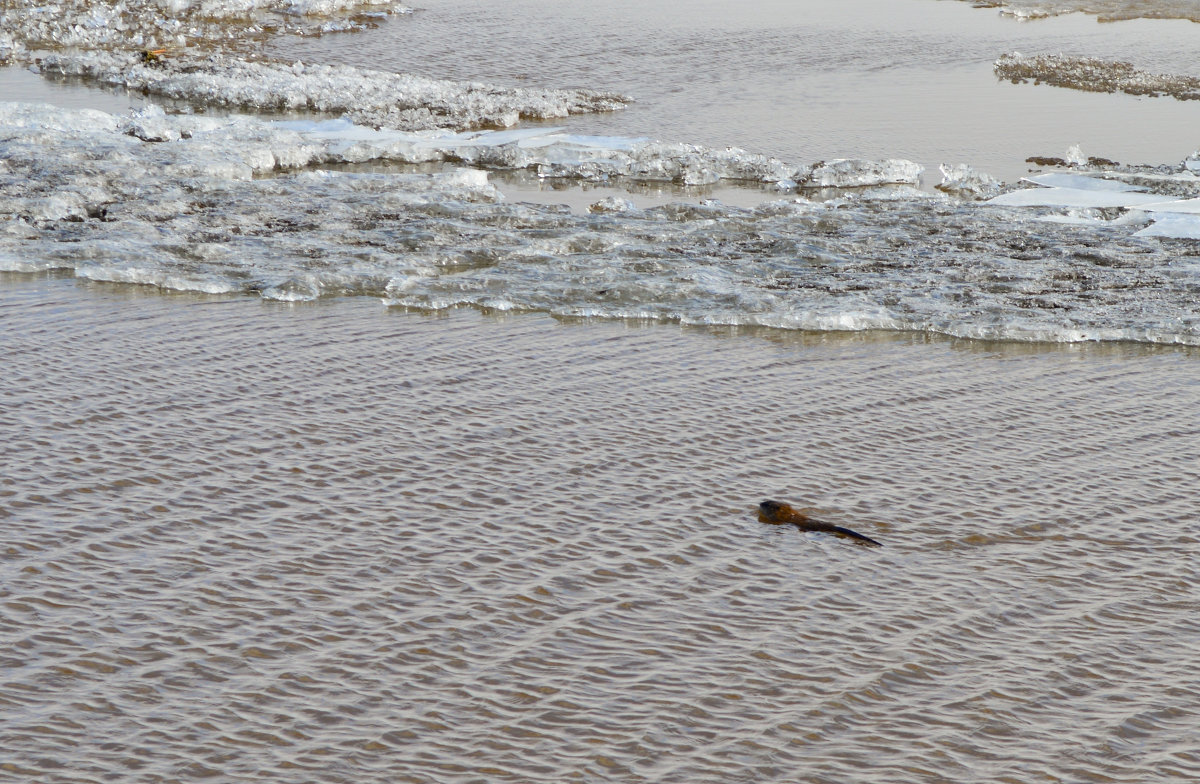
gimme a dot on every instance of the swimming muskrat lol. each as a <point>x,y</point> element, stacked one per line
<point>777,514</point>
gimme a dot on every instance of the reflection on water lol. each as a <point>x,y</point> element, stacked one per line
<point>339,542</point>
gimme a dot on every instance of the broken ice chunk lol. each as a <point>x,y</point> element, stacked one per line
<point>963,181</point>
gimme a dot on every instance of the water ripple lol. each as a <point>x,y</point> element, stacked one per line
<point>350,544</point>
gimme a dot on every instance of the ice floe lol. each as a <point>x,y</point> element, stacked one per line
<point>1095,75</point>
<point>243,206</point>
<point>553,153</point>
<point>1103,10</point>
<point>149,24</point>
<point>375,98</point>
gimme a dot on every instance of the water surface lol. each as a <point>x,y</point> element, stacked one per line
<point>804,81</point>
<point>334,541</point>
<point>343,543</point>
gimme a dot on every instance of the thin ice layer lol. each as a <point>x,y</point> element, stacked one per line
<point>1082,182</point>
<point>1180,206</point>
<point>1083,200</point>
<point>1073,197</point>
<point>1176,225</point>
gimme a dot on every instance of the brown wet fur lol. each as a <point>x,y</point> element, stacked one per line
<point>778,513</point>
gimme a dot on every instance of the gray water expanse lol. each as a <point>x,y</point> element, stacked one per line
<point>495,529</point>
<point>806,81</point>
<point>339,543</point>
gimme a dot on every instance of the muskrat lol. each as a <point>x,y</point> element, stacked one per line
<point>777,513</point>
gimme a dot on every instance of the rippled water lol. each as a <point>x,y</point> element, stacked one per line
<point>343,543</point>
<point>336,541</point>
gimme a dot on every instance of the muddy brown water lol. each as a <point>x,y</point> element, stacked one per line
<point>341,543</point>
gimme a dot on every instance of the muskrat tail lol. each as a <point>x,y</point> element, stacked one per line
<point>857,535</point>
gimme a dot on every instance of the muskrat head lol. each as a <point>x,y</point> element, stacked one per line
<point>769,511</point>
